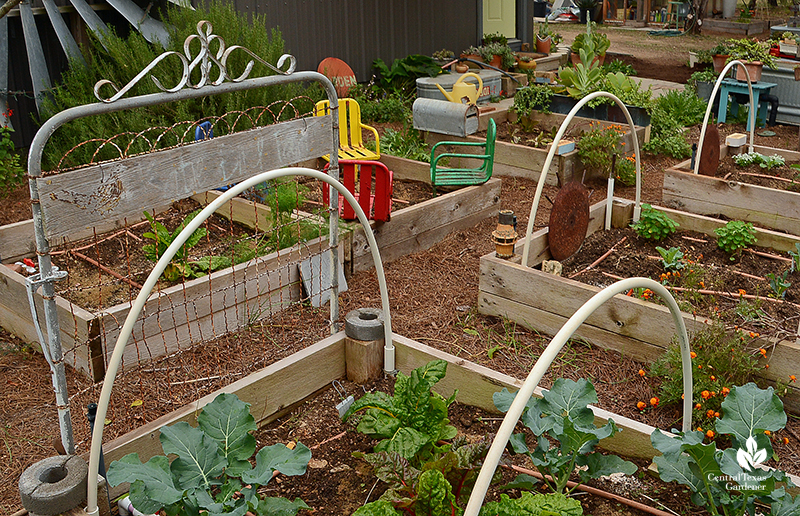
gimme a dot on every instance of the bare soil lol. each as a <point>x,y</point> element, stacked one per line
<point>433,298</point>
<point>785,177</point>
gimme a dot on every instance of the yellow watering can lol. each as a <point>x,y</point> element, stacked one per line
<point>464,92</point>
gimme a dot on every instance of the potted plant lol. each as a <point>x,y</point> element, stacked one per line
<point>703,83</point>
<point>526,63</point>
<point>593,43</point>
<point>543,38</point>
<point>754,54</point>
<point>497,55</point>
<point>719,56</point>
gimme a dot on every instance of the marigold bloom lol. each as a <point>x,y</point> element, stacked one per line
<point>693,354</point>
<point>641,405</point>
<point>792,378</point>
<point>654,401</point>
<point>762,350</point>
<point>642,373</point>
<point>698,406</point>
<point>709,413</point>
<point>742,292</point>
<point>713,378</point>
<point>699,428</point>
<point>785,440</point>
<point>767,432</point>
<point>705,395</point>
<point>710,434</point>
<point>766,366</point>
<point>716,414</point>
<point>725,391</point>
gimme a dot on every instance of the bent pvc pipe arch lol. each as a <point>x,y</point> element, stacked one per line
<point>550,353</point>
<point>127,327</point>
<point>751,116</point>
<point>563,129</point>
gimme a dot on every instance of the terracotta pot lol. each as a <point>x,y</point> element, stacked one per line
<point>719,62</point>
<point>497,61</point>
<point>529,65</point>
<point>462,67</point>
<point>543,45</point>
<point>576,58</point>
<point>754,67</point>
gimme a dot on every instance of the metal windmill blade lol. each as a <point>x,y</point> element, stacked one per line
<point>151,29</point>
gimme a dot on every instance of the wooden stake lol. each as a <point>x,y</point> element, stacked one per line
<point>764,176</point>
<point>596,262</point>
<point>106,269</point>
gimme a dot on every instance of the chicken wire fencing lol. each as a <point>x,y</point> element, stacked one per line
<point>250,284</point>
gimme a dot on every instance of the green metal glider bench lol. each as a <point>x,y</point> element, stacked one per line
<point>450,176</point>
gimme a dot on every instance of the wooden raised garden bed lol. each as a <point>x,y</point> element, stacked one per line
<point>229,299</point>
<point>544,301</point>
<point>515,160</point>
<point>766,207</point>
<point>277,389</point>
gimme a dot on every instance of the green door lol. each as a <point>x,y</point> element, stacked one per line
<point>500,16</point>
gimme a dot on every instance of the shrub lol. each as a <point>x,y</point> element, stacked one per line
<point>126,57</point>
<point>536,97</point>
<point>601,146</point>
<point>11,172</point>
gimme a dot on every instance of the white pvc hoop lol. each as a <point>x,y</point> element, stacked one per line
<point>543,363</point>
<point>561,130</point>
<point>751,116</point>
<point>127,327</point>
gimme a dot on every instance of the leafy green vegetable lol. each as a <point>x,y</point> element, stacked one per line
<point>563,414</point>
<point>735,236</point>
<point>412,421</point>
<point>672,258</point>
<point>211,472</point>
<point>180,267</point>
<point>724,481</point>
<point>653,224</point>
<point>529,504</point>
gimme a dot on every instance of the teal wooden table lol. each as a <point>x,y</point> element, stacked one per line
<point>728,86</point>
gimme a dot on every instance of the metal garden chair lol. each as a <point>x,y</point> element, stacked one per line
<point>351,145</point>
<point>463,176</point>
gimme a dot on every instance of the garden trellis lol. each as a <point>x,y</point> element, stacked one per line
<point>72,207</point>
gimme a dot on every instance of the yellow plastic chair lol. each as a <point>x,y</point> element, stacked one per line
<point>351,145</point>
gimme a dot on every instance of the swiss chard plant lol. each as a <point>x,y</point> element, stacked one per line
<point>411,421</point>
<point>729,482</point>
<point>211,473</point>
<point>180,266</point>
<point>428,469</point>
<point>563,415</point>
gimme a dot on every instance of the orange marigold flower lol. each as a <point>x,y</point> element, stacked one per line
<point>713,378</point>
<point>785,440</point>
<point>716,414</point>
<point>642,373</point>
<point>705,395</point>
<point>725,391</point>
<point>762,350</point>
<point>710,434</point>
<point>742,292</point>
<point>753,335</point>
<point>710,413</point>
<point>767,432</point>
<point>792,378</point>
<point>713,393</point>
<point>699,366</point>
<point>698,406</point>
<point>766,366</point>
<point>641,405</point>
<point>699,428</point>
<point>654,401</point>
<point>693,354</point>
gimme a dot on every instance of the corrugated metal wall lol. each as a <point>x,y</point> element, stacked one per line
<point>360,31</point>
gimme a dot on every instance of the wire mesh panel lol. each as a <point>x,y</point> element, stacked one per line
<point>110,208</point>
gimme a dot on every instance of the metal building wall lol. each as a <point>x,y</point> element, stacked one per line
<point>360,31</point>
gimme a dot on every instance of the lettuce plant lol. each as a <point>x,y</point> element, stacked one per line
<point>212,473</point>
<point>729,482</point>
<point>562,414</point>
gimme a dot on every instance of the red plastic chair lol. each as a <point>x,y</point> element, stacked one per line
<point>377,206</point>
